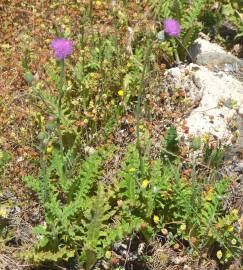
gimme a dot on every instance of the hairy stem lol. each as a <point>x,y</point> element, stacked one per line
<point>59,115</point>
<point>139,102</point>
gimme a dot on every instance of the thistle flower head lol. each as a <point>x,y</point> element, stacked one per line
<point>172,27</point>
<point>62,48</point>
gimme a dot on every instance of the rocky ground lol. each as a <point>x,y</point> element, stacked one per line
<point>212,83</point>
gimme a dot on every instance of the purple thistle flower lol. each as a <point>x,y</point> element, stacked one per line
<point>62,48</point>
<point>172,27</point>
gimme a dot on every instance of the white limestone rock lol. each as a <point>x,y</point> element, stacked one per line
<point>218,94</point>
<point>204,52</point>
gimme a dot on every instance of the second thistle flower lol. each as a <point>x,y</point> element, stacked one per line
<point>62,48</point>
<point>172,27</point>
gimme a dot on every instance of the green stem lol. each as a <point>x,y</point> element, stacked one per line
<point>91,18</point>
<point>139,102</point>
<point>181,44</point>
<point>176,53</point>
<point>91,11</point>
<point>59,115</point>
<point>43,173</point>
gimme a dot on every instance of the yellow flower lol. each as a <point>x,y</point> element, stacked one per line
<point>22,130</point>
<point>49,149</point>
<point>156,219</point>
<point>120,93</point>
<point>145,183</point>
<point>205,138</point>
<point>219,254</point>
<point>129,64</point>
<point>233,241</point>
<point>183,227</point>
<point>108,254</point>
<point>235,211</point>
<point>230,229</point>
<point>3,212</point>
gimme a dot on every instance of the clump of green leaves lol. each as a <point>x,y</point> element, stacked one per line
<point>79,210</point>
<point>171,143</point>
<point>5,157</point>
<point>187,14</point>
<point>228,11</point>
<point>76,210</point>
<point>213,156</point>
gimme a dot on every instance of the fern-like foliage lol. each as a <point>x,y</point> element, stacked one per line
<point>83,216</point>
<point>171,143</point>
<point>97,217</point>
<point>62,254</point>
<point>161,9</point>
<point>212,205</point>
<point>120,230</point>
<point>67,202</point>
<point>187,14</point>
<point>129,184</point>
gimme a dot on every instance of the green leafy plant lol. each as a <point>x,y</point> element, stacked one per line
<point>188,15</point>
<point>226,11</point>
<point>5,157</point>
<point>83,215</point>
<point>70,209</point>
<point>171,143</point>
<point>213,156</point>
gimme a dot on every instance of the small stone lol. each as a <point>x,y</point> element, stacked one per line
<point>241,111</point>
<point>239,167</point>
<point>179,260</point>
<point>19,159</point>
<point>141,248</point>
<point>176,246</point>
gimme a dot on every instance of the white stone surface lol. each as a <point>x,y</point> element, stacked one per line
<point>204,52</point>
<point>202,46</point>
<point>218,95</point>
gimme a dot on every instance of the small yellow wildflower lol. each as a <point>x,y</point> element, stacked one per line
<point>129,64</point>
<point>219,254</point>
<point>156,219</point>
<point>108,254</point>
<point>49,149</point>
<point>237,133</point>
<point>183,227</point>
<point>120,93</point>
<point>132,170</point>
<point>235,211</point>
<point>230,229</point>
<point>86,121</point>
<point>210,234</point>
<point>3,212</point>
<point>205,138</point>
<point>233,241</point>
<point>22,130</point>
<point>145,183</point>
